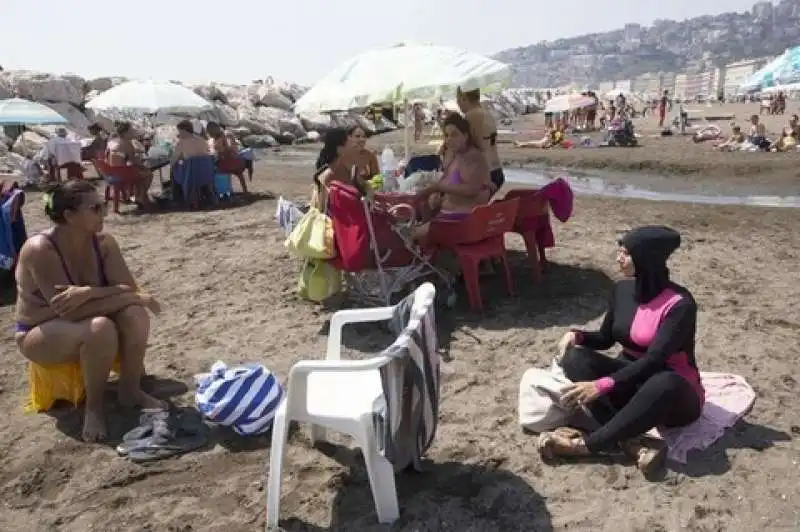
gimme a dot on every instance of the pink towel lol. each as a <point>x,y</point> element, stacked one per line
<point>559,196</point>
<point>728,399</point>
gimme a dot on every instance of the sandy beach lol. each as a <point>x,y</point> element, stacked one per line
<point>228,290</point>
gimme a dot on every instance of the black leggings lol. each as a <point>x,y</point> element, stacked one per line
<point>665,399</point>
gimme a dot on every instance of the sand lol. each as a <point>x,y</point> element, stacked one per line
<point>228,290</point>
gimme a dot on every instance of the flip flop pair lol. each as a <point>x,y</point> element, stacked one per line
<point>162,434</point>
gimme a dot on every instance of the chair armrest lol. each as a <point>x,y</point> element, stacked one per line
<point>343,317</point>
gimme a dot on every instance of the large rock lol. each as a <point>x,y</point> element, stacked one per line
<point>43,87</point>
<point>210,92</point>
<point>5,90</point>
<point>222,114</point>
<point>316,122</point>
<point>11,163</point>
<point>235,96</point>
<point>259,141</point>
<point>269,96</point>
<point>103,84</point>
<point>282,120</point>
<point>29,144</point>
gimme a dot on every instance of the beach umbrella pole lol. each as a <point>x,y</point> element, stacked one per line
<point>406,139</point>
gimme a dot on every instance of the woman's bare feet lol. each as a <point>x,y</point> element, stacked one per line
<point>94,426</point>
<point>564,442</point>
<point>142,400</point>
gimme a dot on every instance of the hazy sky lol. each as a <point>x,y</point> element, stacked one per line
<point>296,40</point>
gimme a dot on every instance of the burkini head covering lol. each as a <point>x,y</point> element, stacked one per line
<point>650,247</point>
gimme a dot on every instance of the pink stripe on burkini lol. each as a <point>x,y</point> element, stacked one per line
<point>646,322</point>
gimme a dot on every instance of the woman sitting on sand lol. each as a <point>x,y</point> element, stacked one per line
<point>121,154</point>
<point>654,381</point>
<point>228,160</point>
<point>758,133</point>
<point>466,182</point>
<point>733,142</point>
<point>367,162</point>
<point>788,139</point>
<point>78,302</point>
<point>336,162</point>
<point>552,138</point>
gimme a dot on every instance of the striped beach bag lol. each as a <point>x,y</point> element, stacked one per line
<point>244,398</point>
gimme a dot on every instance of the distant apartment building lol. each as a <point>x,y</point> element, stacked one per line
<point>605,86</point>
<point>623,85</point>
<point>668,82</point>
<point>681,82</point>
<point>737,73</point>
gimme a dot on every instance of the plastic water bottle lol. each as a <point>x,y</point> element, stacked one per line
<point>388,162</point>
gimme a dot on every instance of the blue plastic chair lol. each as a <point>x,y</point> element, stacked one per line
<point>193,175</point>
<point>423,163</point>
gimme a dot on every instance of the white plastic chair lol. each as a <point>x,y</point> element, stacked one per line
<point>341,395</point>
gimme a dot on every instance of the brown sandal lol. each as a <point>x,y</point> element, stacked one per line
<point>649,453</point>
<point>546,441</point>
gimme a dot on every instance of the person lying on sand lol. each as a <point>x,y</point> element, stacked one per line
<point>654,381</point>
<point>552,138</point>
<point>733,142</point>
<point>78,302</point>
<point>337,162</point>
<point>466,182</point>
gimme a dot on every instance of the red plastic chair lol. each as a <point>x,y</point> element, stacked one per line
<point>117,187</point>
<point>478,237</point>
<point>531,214</point>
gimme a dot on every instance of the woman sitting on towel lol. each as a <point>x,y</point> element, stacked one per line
<point>78,302</point>
<point>466,182</point>
<point>654,382</point>
<point>121,154</point>
<point>228,160</point>
<point>337,162</point>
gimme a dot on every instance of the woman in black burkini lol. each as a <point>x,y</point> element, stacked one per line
<point>654,381</point>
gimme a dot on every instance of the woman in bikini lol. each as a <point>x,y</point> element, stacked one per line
<point>466,182</point>
<point>228,160</point>
<point>367,162</point>
<point>128,166</point>
<point>78,302</point>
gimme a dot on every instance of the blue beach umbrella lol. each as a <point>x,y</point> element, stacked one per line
<point>782,70</point>
<point>19,112</point>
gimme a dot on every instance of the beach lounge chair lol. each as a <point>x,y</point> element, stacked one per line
<point>388,404</point>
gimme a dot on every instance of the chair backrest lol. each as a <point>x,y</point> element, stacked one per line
<point>485,221</point>
<point>531,205</point>
<point>423,163</point>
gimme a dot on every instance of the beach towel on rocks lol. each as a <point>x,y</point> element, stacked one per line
<point>242,397</point>
<point>410,383</point>
<point>728,399</point>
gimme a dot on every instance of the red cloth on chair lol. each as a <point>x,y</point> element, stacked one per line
<point>230,165</point>
<point>346,211</point>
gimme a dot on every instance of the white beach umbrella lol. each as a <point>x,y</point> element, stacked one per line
<point>567,102</point>
<point>150,97</point>
<point>400,73</point>
<point>19,112</point>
